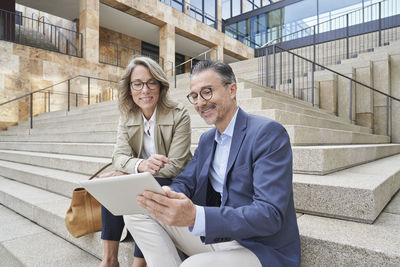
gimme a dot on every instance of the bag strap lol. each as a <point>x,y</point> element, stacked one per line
<point>99,171</point>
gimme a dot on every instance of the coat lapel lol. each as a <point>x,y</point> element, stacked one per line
<point>135,132</point>
<point>163,130</point>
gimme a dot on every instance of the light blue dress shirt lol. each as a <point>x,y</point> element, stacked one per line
<point>217,172</point>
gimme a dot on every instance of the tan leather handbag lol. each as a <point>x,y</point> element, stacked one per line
<point>84,214</point>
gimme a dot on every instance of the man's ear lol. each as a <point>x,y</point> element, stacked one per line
<point>233,90</point>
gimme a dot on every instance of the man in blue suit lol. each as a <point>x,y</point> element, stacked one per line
<point>233,204</point>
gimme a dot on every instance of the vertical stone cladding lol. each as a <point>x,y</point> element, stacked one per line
<point>89,27</point>
<point>167,47</point>
<point>219,15</point>
<point>187,7</point>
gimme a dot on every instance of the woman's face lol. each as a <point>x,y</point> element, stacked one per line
<point>146,97</point>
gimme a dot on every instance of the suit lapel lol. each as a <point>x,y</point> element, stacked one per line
<point>238,135</point>
<point>209,146</point>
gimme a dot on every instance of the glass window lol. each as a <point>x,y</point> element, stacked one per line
<point>236,10</point>
<point>249,5</point>
<point>273,25</point>
<point>177,4</point>
<point>296,24</point>
<point>226,9</point>
<point>197,3</point>
<point>209,7</point>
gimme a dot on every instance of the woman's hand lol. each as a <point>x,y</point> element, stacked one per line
<point>153,164</point>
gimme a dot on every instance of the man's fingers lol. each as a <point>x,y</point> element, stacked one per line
<point>150,205</point>
<point>161,199</point>
<point>173,194</point>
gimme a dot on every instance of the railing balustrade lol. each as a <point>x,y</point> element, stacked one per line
<point>19,29</point>
<point>343,37</point>
<point>77,91</point>
<point>295,75</point>
<point>192,61</point>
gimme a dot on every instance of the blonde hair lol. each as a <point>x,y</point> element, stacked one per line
<point>125,101</point>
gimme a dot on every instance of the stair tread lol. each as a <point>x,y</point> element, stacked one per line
<point>45,248</point>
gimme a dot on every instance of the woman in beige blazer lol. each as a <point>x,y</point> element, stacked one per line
<point>153,136</point>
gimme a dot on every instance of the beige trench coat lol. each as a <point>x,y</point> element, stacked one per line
<point>172,135</point>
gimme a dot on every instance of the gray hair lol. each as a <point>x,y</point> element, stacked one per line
<point>223,70</point>
<point>125,101</point>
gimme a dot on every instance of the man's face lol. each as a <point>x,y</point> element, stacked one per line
<point>220,108</point>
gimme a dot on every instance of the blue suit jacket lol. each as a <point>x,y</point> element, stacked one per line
<point>257,206</point>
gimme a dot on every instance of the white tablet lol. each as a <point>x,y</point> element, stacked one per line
<point>118,193</point>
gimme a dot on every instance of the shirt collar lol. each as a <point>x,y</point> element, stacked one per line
<point>229,130</point>
<point>152,119</point>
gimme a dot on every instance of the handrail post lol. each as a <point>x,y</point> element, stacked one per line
<point>48,100</point>
<point>347,37</point>
<point>293,86</point>
<point>266,67</point>
<point>174,73</point>
<point>351,102</point>
<point>59,46</point>
<point>31,110</point>
<point>81,41</point>
<point>117,55</point>
<point>380,24</point>
<point>391,119</point>
<point>280,68</point>
<point>69,94</point>
<point>274,52</point>
<point>387,116</point>
<point>88,87</point>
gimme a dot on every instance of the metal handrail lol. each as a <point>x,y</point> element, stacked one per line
<point>291,79</point>
<point>338,73</point>
<point>191,62</point>
<point>52,86</point>
<point>59,32</point>
<point>43,89</point>
<point>27,23</point>
<point>204,14</point>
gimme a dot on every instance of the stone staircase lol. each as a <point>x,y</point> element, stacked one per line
<point>344,177</point>
<point>378,69</point>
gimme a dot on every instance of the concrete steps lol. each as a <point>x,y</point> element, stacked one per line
<point>321,160</point>
<point>81,149</point>
<point>73,163</point>
<point>306,135</point>
<point>24,243</point>
<point>333,242</point>
<point>319,235</point>
<point>48,211</point>
<point>342,171</point>
<point>358,194</point>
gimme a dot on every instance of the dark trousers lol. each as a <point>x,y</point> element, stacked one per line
<point>112,226</point>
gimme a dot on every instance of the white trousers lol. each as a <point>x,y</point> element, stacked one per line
<point>158,243</point>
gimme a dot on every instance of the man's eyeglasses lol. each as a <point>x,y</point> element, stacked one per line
<point>138,85</point>
<point>205,93</point>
